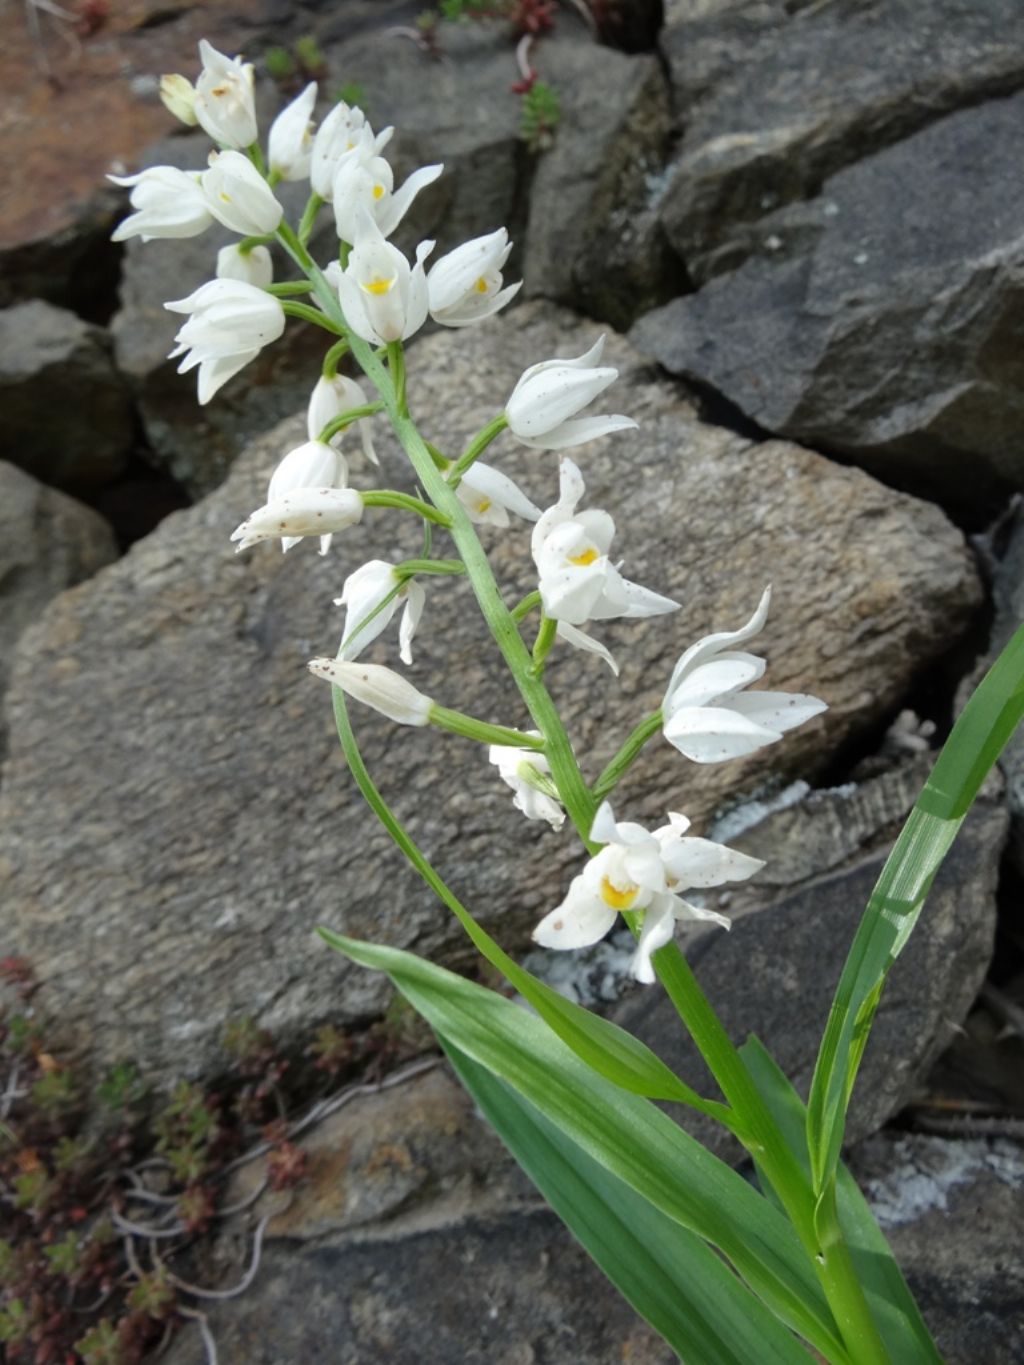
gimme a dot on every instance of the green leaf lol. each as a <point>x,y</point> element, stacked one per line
<point>608,1049</point>
<point>672,1278</point>
<point>978,738</point>
<point>892,1305</point>
<point>624,1133</point>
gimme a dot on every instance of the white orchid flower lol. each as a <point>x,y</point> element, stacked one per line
<point>239,197</point>
<point>383,297</point>
<point>167,203</point>
<point>302,512</point>
<point>488,496</point>
<point>254,266</point>
<point>230,321</point>
<point>224,104</point>
<point>641,871</point>
<point>363,592</point>
<point>579,639</point>
<point>290,142</point>
<point>384,690</point>
<point>338,135</point>
<point>578,581</point>
<point>542,409</point>
<point>364,181</point>
<point>312,465</point>
<point>707,714</point>
<point>526,771</point>
<point>330,398</point>
<point>465,285</point>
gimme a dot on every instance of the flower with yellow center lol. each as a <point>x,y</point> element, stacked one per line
<point>642,872</point>
<point>239,197</point>
<point>578,581</point>
<point>363,180</point>
<point>488,496</point>
<point>465,286</point>
<point>383,297</point>
<point>224,103</point>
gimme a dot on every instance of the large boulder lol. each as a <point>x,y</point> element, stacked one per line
<point>48,542</point>
<point>67,412</point>
<point>883,321</point>
<point>204,824</point>
<point>776,96</point>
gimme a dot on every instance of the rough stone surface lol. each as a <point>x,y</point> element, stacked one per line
<point>593,239</point>
<point>776,96</point>
<point>883,321</point>
<point>952,1213</point>
<point>205,824</point>
<point>792,928</point>
<point>48,542</point>
<point>415,1215</point>
<point>67,413</point>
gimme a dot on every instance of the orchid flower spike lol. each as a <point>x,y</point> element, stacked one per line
<point>229,322</point>
<point>378,588</point>
<point>578,581</point>
<point>364,181</point>
<point>465,285</point>
<point>302,512</point>
<point>706,713</point>
<point>384,690</point>
<point>312,465</point>
<point>383,297</point>
<point>290,143</point>
<point>330,398</point>
<point>488,496</point>
<point>225,104</point>
<point>528,773</point>
<point>167,203</point>
<point>642,872</point>
<point>542,409</point>
<point>239,197</point>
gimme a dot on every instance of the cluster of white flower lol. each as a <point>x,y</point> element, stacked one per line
<point>376,295</point>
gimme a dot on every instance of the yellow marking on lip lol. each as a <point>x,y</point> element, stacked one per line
<point>618,900</point>
<point>484,505</point>
<point>378,286</point>
<point>587,557</point>
<point>481,285</point>
<point>378,191</point>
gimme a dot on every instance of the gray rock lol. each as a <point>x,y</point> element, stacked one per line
<point>67,412</point>
<point>414,1214</point>
<point>775,96</point>
<point>197,445</point>
<point>48,542</point>
<point>593,239</point>
<point>886,326</point>
<point>952,1213</point>
<point>792,928</point>
<point>205,824</point>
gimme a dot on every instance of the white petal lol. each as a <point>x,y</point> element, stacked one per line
<point>576,432</point>
<point>722,640</point>
<point>717,677</point>
<point>604,830</point>
<point>580,640</point>
<point>696,862</point>
<point>415,599</point>
<point>777,710</point>
<point>658,929</point>
<point>581,919</point>
<point>485,479</point>
<point>712,734</point>
<point>683,910</point>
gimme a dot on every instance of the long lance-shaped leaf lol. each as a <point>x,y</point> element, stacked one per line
<point>624,1133</point>
<point>672,1278</point>
<point>892,1305</point>
<point>978,738</point>
<point>610,1050</point>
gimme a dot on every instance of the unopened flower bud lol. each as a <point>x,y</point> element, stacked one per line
<point>303,512</point>
<point>239,197</point>
<point>179,97</point>
<point>251,267</point>
<point>225,103</point>
<point>384,690</point>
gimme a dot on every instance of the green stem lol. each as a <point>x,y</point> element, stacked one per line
<point>522,609</point>
<point>346,419</point>
<point>481,730</point>
<point>306,313</point>
<point>388,497</point>
<point>542,645</point>
<point>408,567</point>
<point>247,243</point>
<point>287,287</point>
<point>256,157</point>
<point>650,725</point>
<point>308,219</point>
<point>476,447</point>
<point>396,368</point>
<point>337,352</point>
